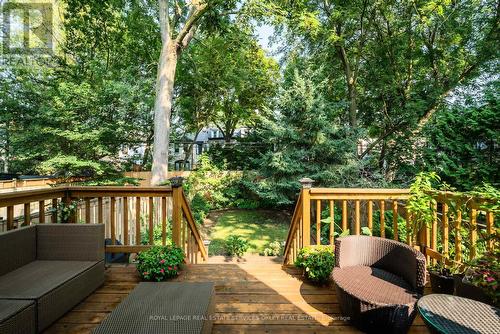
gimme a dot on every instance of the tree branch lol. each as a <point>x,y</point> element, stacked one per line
<point>196,13</point>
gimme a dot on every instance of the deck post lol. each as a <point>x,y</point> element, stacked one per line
<point>306,210</point>
<point>176,183</point>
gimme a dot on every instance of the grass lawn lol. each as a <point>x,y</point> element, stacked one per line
<point>259,227</point>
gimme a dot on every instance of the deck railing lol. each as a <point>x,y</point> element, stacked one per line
<point>322,214</point>
<point>135,218</point>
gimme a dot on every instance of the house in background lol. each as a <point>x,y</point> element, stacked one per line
<point>181,155</point>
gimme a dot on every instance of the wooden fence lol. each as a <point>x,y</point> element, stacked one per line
<point>26,183</point>
<point>135,218</point>
<point>336,211</point>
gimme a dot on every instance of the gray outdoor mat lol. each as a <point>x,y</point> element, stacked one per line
<point>166,307</point>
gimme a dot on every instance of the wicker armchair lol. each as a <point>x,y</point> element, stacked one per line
<point>378,282</point>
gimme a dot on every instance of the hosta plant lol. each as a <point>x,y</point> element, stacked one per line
<point>236,245</point>
<point>273,249</point>
<point>160,262</point>
<point>317,262</point>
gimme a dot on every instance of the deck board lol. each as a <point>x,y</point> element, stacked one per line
<point>250,298</point>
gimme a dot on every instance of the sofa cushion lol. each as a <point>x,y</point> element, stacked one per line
<point>374,285</point>
<point>39,277</point>
<point>17,316</point>
<point>17,248</point>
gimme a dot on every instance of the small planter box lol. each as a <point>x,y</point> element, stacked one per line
<point>442,284</point>
<point>467,290</point>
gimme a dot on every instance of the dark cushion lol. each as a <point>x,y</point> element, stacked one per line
<point>375,286</point>
<point>70,242</point>
<point>40,277</point>
<point>17,248</point>
<point>8,308</point>
<point>17,316</point>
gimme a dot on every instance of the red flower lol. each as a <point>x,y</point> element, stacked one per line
<point>175,267</point>
<point>145,273</point>
<point>162,261</point>
<point>162,270</point>
<point>169,268</point>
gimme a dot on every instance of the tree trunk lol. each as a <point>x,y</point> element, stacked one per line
<point>147,151</point>
<point>7,149</point>
<point>163,106</point>
<point>350,78</point>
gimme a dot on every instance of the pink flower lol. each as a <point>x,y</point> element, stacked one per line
<point>145,273</point>
<point>162,270</point>
<point>162,261</point>
<point>489,279</point>
<point>175,267</point>
<point>169,268</point>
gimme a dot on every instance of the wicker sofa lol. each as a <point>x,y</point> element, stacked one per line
<point>378,282</point>
<point>45,270</point>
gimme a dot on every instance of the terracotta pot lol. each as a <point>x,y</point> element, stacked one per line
<point>441,284</point>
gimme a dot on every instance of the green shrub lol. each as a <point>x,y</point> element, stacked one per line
<point>212,188</point>
<point>236,245</point>
<point>200,208</point>
<point>317,262</point>
<point>273,249</point>
<point>157,235</point>
<point>160,262</point>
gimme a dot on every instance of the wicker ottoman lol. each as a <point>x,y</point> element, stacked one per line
<point>375,300</point>
<point>17,316</point>
<point>159,308</point>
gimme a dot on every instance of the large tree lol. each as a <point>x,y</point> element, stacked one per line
<point>75,116</point>
<point>178,20</point>
<point>225,80</point>
<point>394,62</point>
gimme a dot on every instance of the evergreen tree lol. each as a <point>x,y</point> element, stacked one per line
<point>308,139</point>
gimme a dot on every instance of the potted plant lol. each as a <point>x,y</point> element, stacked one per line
<point>160,262</point>
<point>316,262</point>
<point>442,277</point>
<point>480,280</point>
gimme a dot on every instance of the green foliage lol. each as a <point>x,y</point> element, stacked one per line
<point>66,210</point>
<point>273,249</point>
<point>389,225</point>
<point>442,269</point>
<point>73,117</point>
<point>309,140</point>
<point>160,263</point>
<point>111,181</point>
<point>226,80</point>
<point>463,139</point>
<point>421,201</point>
<point>392,64</point>
<point>211,188</point>
<point>484,272</point>
<point>236,245</point>
<point>317,262</point>
<point>200,207</point>
<point>157,235</point>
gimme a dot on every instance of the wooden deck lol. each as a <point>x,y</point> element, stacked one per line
<point>252,297</point>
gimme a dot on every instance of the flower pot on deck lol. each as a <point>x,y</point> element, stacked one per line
<point>468,290</point>
<point>441,283</point>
